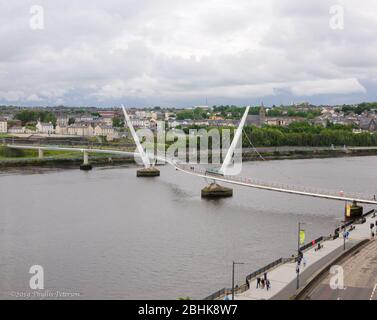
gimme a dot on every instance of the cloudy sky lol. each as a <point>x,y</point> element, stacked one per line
<point>182,53</point>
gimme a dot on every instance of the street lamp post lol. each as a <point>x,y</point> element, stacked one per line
<point>234,263</point>
<point>298,254</point>
<point>343,229</point>
<point>344,240</point>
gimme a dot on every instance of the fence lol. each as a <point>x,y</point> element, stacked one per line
<point>242,288</point>
<point>311,244</point>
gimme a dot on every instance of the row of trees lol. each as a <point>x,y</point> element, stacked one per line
<point>270,137</point>
<point>305,134</point>
<point>302,134</point>
<point>195,114</point>
<point>32,116</point>
<point>360,108</point>
<point>292,112</point>
<point>236,112</point>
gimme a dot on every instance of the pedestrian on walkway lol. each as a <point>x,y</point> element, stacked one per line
<point>262,283</point>
<point>268,284</point>
<point>265,276</point>
<point>258,282</point>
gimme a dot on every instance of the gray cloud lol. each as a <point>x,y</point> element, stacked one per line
<point>180,53</point>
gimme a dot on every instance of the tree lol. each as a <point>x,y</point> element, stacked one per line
<point>118,122</point>
<point>32,115</point>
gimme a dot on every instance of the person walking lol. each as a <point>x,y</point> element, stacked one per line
<point>258,282</point>
<point>268,284</point>
<point>262,283</point>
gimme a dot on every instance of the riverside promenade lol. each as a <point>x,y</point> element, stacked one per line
<point>283,278</point>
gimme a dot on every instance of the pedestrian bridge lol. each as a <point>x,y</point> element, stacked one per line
<point>239,180</point>
<point>218,176</point>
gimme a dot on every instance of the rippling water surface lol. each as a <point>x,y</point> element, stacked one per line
<point>107,234</point>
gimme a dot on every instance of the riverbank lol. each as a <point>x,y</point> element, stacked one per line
<point>62,162</point>
<point>65,160</point>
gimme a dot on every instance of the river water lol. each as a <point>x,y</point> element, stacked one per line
<point>107,234</point>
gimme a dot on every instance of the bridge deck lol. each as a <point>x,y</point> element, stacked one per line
<point>236,180</point>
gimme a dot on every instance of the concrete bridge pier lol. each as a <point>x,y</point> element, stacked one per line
<point>148,172</point>
<point>40,153</point>
<point>86,166</point>
<point>215,191</point>
<point>353,211</point>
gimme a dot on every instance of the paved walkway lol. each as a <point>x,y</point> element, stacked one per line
<point>283,278</point>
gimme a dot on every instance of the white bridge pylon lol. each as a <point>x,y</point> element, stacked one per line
<point>228,158</point>
<point>144,157</point>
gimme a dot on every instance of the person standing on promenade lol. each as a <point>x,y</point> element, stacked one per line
<point>258,282</point>
<point>268,284</point>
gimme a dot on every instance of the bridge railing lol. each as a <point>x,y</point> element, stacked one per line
<point>275,185</point>
<point>244,287</point>
<point>298,188</point>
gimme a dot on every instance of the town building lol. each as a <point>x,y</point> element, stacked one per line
<point>368,124</point>
<point>3,125</point>
<point>103,130</point>
<point>16,129</point>
<point>140,123</point>
<point>257,120</point>
<point>44,127</point>
<point>62,121</point>
<point>81,129</point>
<point>282,121</point>
<point>61,129</point>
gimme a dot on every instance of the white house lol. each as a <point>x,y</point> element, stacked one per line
<point>140,123</point>
<point>3,125</point>
<point>43,127</point>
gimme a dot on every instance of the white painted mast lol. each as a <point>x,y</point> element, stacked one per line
<point>237,136</point>
<point>140,148</point>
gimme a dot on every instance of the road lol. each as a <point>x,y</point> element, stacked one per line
<point>360,278</point>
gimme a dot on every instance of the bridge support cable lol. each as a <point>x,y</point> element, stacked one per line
<point>140,148</point>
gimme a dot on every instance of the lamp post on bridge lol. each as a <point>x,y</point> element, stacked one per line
<point>234,263</point>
